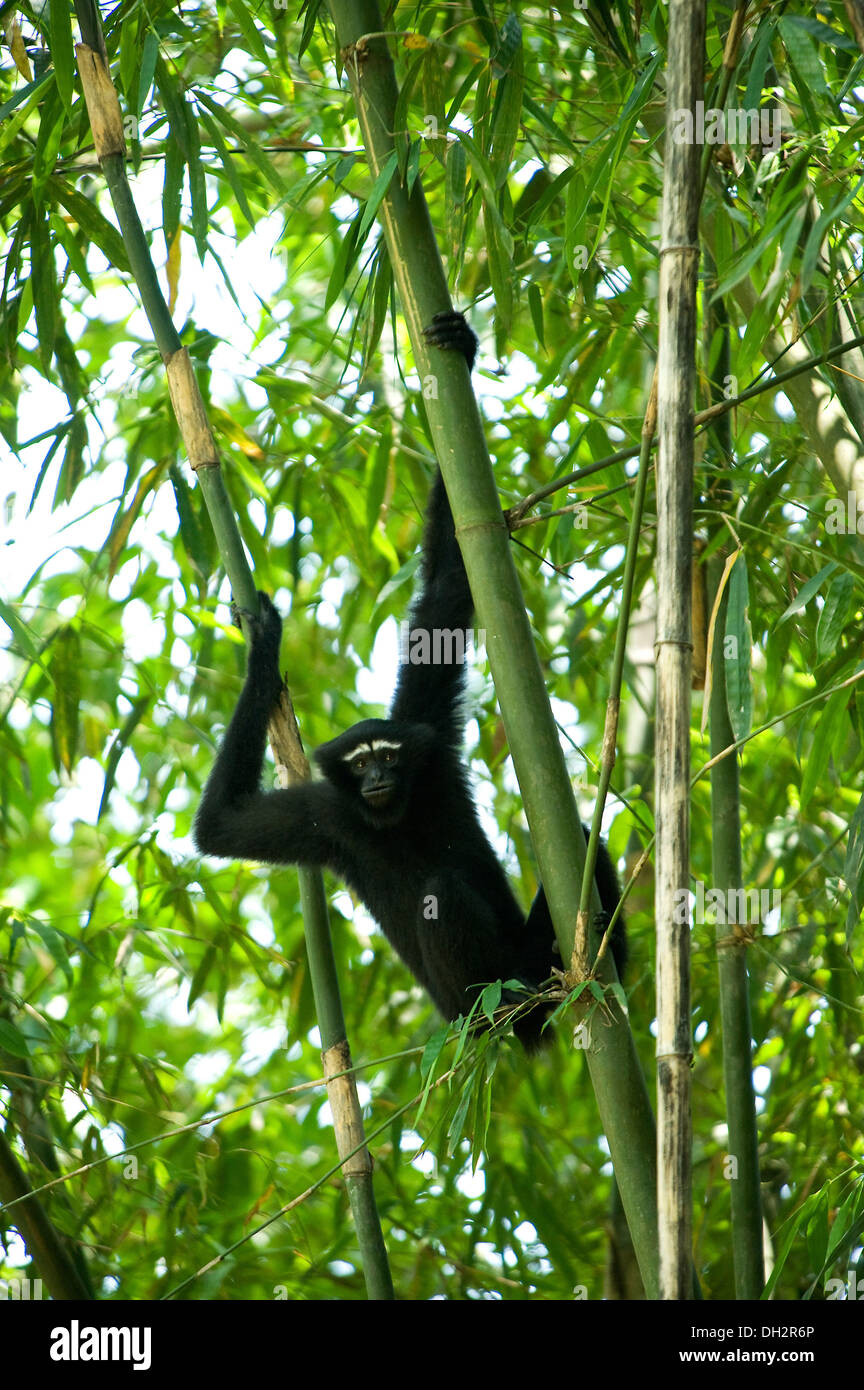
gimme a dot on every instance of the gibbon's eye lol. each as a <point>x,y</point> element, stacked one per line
<point>358,766</point>
<point>388,755</point>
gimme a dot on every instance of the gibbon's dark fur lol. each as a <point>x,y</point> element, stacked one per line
<point>394,815</point>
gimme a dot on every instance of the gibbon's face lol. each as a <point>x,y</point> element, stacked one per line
<point>376,764</point>
<point>375,770</point>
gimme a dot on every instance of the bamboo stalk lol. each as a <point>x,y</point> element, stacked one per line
<point>743,1151</point>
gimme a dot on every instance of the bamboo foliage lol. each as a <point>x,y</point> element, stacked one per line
<point>540,141</point>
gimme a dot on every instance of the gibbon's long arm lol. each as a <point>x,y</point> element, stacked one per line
<point>429,688</point>
<point>236,820</point>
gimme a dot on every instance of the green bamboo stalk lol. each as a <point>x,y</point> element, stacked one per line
<point>726,871</point>
<point>747,1246</point>
<point>460,446</point>
<point>104,112</point>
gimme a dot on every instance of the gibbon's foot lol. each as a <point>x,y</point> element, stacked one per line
<point>449,330</point>
<point>240,615</point>
<point>265,626</point>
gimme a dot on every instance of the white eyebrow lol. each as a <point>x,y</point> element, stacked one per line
<point>384,743</point>
<point>358,748</point>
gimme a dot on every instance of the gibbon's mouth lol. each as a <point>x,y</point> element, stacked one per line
<point>379,796</point>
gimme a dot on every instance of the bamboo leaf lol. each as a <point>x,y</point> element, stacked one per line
<point>54,945</point>
<point>65,670</point>
<point>62,51</point>
<point>829,720</point>
<point>120,743</point>
<point>227,161</point>
<point>376,197</point>
<point>835,613</point>
<point>149,57</point>
<point>456,187</point>
<point>44,281</point>
<point>800,48</point>
<point>15,42</point>
<point>264,165</point>
<point>853,871</point>
<point>535,304</point>
<point>95,226</point>
<point>507,115</point>
<point>12,1040</point>
<point>199,979</point>
<point>172,192</point>
<point>197,183</point>
<point>345,258</point>
<point>807,591</point>
<point>28,97</point>
<point>251,32</point>
<point>52,127</point>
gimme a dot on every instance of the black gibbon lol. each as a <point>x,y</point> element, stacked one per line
<point>394,815</point>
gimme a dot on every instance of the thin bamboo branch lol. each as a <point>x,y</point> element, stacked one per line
<point>106,123</point>
<point>613,704</point>
<point>679,263</point>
